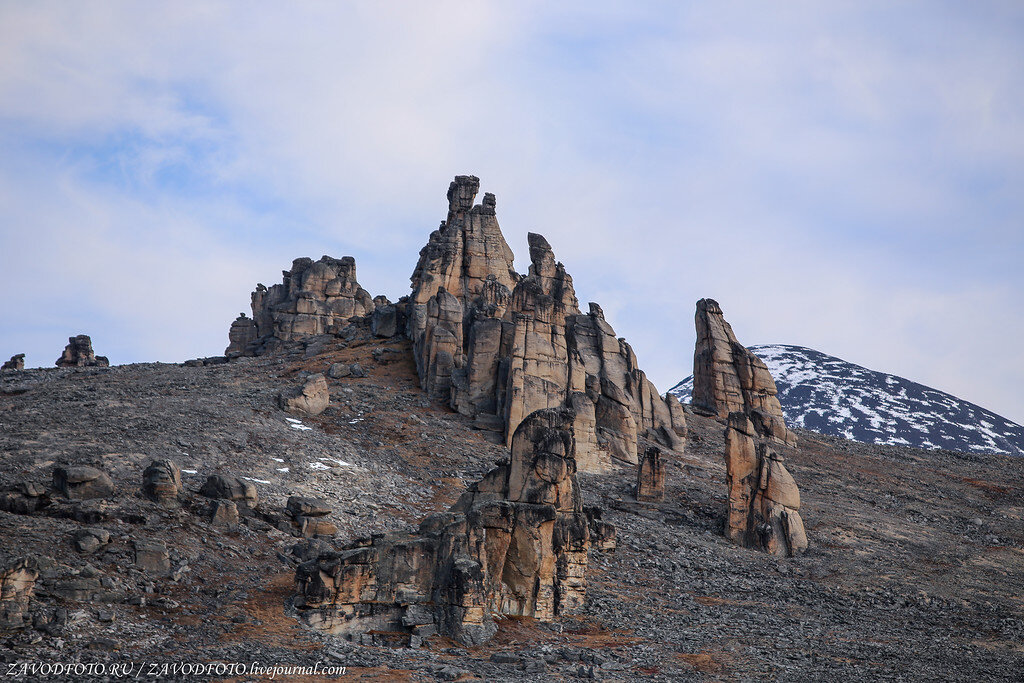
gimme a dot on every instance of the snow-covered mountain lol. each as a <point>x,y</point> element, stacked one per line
<point>828,395</point>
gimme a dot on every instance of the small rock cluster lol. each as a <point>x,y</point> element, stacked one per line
<point>17,362</point>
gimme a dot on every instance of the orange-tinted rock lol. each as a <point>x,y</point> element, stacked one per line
<point>729,378</point>
<point>764,501</point>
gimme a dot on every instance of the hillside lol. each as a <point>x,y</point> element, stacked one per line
<point>831,396</point>
<point>914,569</point>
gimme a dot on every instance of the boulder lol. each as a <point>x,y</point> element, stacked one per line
<point>88,541</point>
<point>388,320</point>
<point>161,482</point>
<point>339,370</point>
<point>312,398</point>
<point>515,543</point>
<point>764,501</point>
<point>219,486</point>
<point>310,507</point>
<point>152,557</point>
<point>17,362</point>
<point>79,354</point>
<point>81,482</point>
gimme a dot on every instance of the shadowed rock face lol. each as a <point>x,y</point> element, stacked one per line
<point>764,501</point>
<point>315,297</point>
<point>17,581</point>
<point>79,354</point>
<point>17,362</point>
<point>499,345</point>
<point>514,544</point>
<point>728,378</point>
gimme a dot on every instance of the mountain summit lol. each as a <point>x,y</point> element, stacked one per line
<point>828,395</point>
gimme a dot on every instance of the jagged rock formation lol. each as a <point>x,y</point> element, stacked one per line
<point>17,362</point>
<point>312,398</point>
<point>161,482</point>
<point>728,378</point>
<point>79,354</point>
<point>764,501</point>
<point>498,345</point>
<point>17,581</point>
<point>514,544</point>
<point>650,477</point>
<point>314,298</point>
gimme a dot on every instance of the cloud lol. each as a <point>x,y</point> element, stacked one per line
<point>842,176</point>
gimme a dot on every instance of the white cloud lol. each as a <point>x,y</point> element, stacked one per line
<point>843,177</point>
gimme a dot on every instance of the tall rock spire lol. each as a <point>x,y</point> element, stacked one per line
<point>728,378</point>
<point>523,344</point>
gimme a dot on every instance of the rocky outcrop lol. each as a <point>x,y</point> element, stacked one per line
<point>315,298</point>
<point>241,336</point>
<point>79,354</point>
<point>17,580</point>
<point>388,319</point>
<point>650,477</point>
<point>307,517</point>
<point>498,345</point>
<point>17,362</point>
<point>728,378</point>
<point>161,482</point>
<point>764,501</point>
<point>514,544</point>
<point>82,482</point>
<point>312,398</point>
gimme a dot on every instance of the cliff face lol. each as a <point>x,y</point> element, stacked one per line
<point>500,345</point>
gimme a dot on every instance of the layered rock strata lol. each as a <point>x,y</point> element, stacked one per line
<point>498,345</point>
<point>728,378</point>
<point>17,362</point>
<point>514,544</point>
<point>79,354</point>
<point>764,501</point>
<point>314,298</point>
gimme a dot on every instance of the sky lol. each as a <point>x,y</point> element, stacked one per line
<point>844,176</point>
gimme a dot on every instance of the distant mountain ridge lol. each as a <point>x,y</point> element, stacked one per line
<point>828,395</point>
